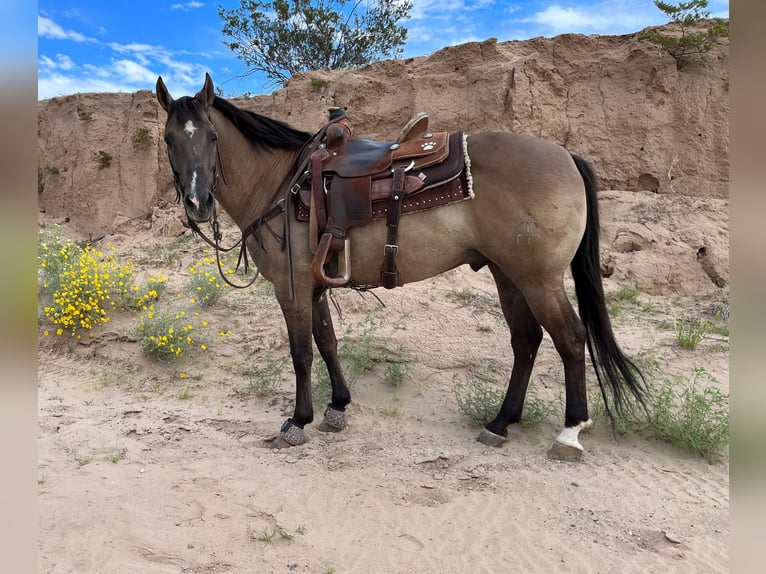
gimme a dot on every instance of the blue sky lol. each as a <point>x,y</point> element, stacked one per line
<point>104,46</point>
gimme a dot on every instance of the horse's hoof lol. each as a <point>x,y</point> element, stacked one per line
<point>334,420</point>
<point>491,439</point>
<point>564,452</point>
<point>289,435</point>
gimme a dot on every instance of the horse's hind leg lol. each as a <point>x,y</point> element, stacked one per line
<point>551,306</point>
<point>526,335</point>
<point>327,343</point>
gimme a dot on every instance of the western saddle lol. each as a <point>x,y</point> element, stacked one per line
<point>346,182</point>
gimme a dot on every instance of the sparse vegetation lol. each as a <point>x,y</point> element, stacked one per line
<point>85,116</point>
<point>264,379</point>
<point>694,38</point>
<point>116,456</point>
<point>689,332</point>
<point>361,347</point>
<point>616,299</point>
<point>167,335</point>
<point>319,83</point>
<point>104,159</point>
<point>681,412</point>
<point>268,534</point>
<point>142,139</point>
<point>690,416</point>
<point>536,410</point>
<point>205,285</point>
<point>477,397</point>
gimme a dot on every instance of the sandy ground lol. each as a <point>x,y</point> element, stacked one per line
<point>142,471</point>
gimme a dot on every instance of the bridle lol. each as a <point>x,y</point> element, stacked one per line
<point>294,179</point>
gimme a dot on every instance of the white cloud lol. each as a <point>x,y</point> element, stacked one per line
<point>134,72</point>
<point>187,6</point>
<point>62,62</point>
<point>565,19</point>
<point>434,9</point>
<point>612,17</point>
<point>60,84</point>
<point>47,28</point>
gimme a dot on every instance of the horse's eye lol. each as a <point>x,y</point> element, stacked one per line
<point>214,137</point>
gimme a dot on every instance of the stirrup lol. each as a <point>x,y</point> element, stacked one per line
<point>320,258</point>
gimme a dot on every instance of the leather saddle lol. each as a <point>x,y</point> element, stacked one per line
<point>351,182</point>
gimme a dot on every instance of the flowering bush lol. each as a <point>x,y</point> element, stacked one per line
<point>205,285</point>
<point>80,283</point>
<point>167,335</point>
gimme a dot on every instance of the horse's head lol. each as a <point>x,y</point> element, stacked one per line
<point>192,147</point>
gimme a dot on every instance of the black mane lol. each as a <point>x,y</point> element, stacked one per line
<point>260,129</point>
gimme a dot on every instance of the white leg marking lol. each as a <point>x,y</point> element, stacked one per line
<point>569,436</point>
<point>190,128</point>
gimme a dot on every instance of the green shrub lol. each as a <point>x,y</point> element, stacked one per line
<point>689,332</point>
<point>205,285</point>
<point>362,346</point>
<point>692,417</point>
<point>477,398</point>
<point>264,378</point>
<point>104,159</point>
<point>167,335</point>
<point>688,16</point>
<point>79,284</point>
<point>142,139</point>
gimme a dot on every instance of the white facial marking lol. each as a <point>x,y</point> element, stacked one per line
<point>190,128</point>
<point>193,190</point>
<point>569,436</point>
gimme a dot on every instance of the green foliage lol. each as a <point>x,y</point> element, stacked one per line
<point>205,285</point>
<point>167,335</point>
<point>480,400</point>
<point>688,16</point>
<point>142,139</point>
<point>104,159</point>
<point>265,377</point>
<point>690,417</point>
<point>682,413</point>
<point>79,284</point>
<point>85,115</point>
<point>536,411</point>
<point>319,83</point>
<point>285,37</point>
<point>689,332</point>
<point>477,397</point>
<point>268,534</point>
<point>361,347</point>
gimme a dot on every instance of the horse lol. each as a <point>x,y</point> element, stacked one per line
<point>245,162</point>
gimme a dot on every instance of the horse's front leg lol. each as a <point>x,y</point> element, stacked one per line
<point>298,318</point>
<point>327,343</point>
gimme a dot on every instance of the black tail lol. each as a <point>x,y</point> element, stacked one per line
<point>609,361</point>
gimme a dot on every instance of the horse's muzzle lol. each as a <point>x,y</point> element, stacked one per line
<point>199,210</point>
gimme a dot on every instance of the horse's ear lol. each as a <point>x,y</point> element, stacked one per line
<point>163,96</point>
<point>206,95</point>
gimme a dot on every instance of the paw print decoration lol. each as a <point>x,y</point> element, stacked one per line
<point>428,146</point>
